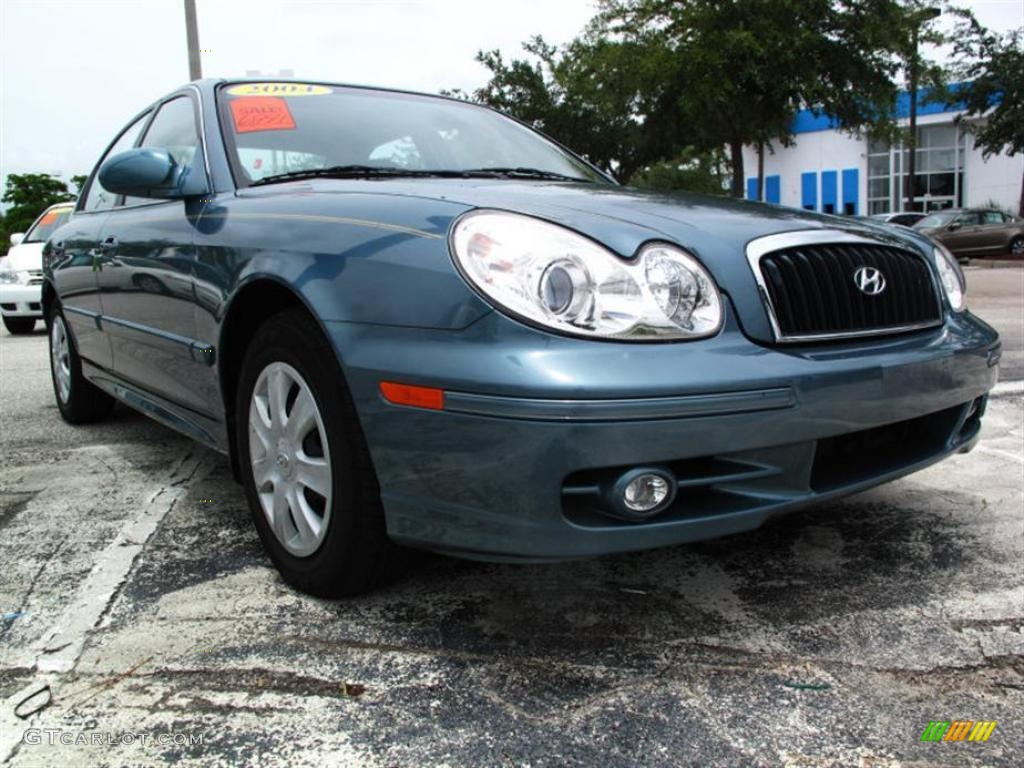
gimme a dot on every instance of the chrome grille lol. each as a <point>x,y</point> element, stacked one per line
<point>809,281</point>
<point>35,277</point>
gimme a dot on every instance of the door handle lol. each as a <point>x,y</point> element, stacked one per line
<point>109,244</point>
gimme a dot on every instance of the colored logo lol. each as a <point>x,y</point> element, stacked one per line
<point>958,730</point>
<point>869,280</point>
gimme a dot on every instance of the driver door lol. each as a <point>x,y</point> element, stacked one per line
<point>147,276</point>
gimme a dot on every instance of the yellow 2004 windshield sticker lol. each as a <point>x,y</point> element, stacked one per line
<point>278,89</point>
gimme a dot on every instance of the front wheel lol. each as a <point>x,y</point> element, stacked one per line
<point>306,471</point>
<point>18,326</point>
<point>78,399</point>
<point>1017,247</point>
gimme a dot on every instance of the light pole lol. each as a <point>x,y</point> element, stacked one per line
<point>919,18</point>
<point>195,69</point>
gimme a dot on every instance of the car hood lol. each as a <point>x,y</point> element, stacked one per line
<point>715,229</point>
<point>25,256</point>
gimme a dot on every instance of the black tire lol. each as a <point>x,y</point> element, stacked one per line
<point>1017,247</point>
<point>355,553</point>
<point>85,402</point>
<point>18,326</point>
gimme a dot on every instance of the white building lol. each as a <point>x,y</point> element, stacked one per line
<point>830,171</point>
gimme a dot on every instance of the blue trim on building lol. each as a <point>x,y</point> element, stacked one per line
<point>809,191</point>
<point>752,188</point>
<point>829,191</point>
<point>773,189</point>
<point>809,121</point>
<point>851,191</point>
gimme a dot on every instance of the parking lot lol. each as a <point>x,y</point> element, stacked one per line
<point>134,586</point>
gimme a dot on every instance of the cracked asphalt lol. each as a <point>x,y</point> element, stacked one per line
<point>132,583</point>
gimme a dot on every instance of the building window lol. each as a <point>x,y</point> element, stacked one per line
<point>879,177</point>
<point>938,181</point>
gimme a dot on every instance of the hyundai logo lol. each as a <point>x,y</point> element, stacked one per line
<point>869,280</point>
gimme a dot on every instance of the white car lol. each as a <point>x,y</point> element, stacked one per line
<point>21,271</point>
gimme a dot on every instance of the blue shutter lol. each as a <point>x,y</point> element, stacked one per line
<point>809,191</point>
<point>829,191</point>
<point>851,184</point>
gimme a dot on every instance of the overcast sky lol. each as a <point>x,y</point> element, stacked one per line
<point>73,73</point>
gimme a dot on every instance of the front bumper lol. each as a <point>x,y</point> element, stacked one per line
<point>537,427</point>
<point>21,300</point>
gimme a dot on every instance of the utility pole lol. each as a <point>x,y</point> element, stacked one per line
<point>925,14</point>
<point>195,69</point>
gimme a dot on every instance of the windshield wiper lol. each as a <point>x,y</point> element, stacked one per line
<point>376,171</point>
<point>342,172</point>
<point>524,173</point>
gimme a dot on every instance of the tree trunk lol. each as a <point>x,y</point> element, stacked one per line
<point>760,171</point>
<point>1020,211</point>
<point>736,160</point>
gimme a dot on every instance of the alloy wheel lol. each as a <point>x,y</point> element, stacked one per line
<point>60,358</point>
<point>291,463</point>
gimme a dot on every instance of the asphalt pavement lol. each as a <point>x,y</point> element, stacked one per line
<point>142,619</point>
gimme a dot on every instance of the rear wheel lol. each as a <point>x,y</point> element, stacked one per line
<point>79,400</point>
<point>19,325</point>
<point>306,471</point>
<point>1017,246</point>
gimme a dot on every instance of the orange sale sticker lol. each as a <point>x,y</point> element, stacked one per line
<point>261,113</point>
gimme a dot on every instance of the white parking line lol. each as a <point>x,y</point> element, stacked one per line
<point>1008,388</point>
<point>1000,452</point>
<point>59,648</point>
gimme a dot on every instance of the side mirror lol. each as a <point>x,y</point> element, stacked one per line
<point>149,173</point>
<point>954,226</point>
<point>17,237</point>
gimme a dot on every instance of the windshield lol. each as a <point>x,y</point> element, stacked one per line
<point>279,128</point>
<point>46,224</point>
<point>936,220</point>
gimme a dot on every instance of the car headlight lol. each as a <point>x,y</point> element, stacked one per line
<point>12,277</point>
<point>951,277</point>
<point>549,275</point>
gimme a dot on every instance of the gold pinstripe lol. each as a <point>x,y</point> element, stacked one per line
<point>369,223</point>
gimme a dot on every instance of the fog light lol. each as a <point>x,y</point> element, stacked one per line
<point>640,493</point>
<point>645,492</point>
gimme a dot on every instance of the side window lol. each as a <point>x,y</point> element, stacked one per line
<point>994,217</point>
<point>97,198</point>
<point>173,129</point>
<point>968,219</point>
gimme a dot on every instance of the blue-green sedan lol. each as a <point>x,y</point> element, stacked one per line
<point>410,320</point>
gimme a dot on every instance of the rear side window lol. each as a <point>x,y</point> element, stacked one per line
<point>97,198</point>
<point>994,217</point>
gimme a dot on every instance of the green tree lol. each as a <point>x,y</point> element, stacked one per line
<point>739,70</point>
<point>28,195</point>
<point>993,96</point>
<point>591,95</point>
<point>79,181</point>
<point>690,172</point>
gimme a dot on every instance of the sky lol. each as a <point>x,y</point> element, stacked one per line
<point>73,73</point>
